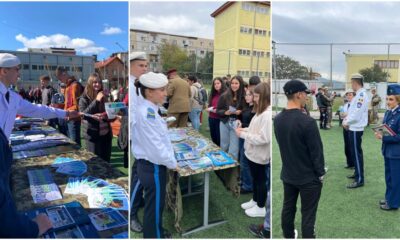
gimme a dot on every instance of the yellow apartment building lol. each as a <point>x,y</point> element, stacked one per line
<point>242,39</point>
<point>356,62</point>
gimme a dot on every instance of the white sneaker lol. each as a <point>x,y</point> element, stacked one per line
<point>255,211</point>
<point>295,234</point>
<point>248,204</point>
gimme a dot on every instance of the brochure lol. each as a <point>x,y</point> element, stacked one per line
<point>43,188</point>
<point>107,218</point>
<point>200,163</point>
<point>384,129</point>
<point>115,108</point>
<point>220,158</point>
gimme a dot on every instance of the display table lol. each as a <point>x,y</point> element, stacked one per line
<point>96,167</point>
<point>228,174</point>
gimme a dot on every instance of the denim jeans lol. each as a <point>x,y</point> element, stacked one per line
<point>194,116</point>
<point>74,131</point>
<point>267,220</point>
<point>229,140</point>
<point>245,176</point>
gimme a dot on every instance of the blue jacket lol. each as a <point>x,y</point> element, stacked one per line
<point>391,144</point>
<point>12,224</point>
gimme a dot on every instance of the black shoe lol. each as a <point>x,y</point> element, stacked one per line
<point>136,226</point>
<point>387,208</point>
<point>259,231</point>
<point>351,176</point>
<point>355,185</point>
<point>244,191</point>
<point>167,234</point>
<point>382,202</point>
<point>349,167</point>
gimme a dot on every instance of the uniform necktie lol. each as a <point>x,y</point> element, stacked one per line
<point>8,97</point>
<point>348,105</point>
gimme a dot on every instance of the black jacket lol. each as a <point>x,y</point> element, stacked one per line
<point>300,146</point>
<point>90,126</point>
<point>223,106</point>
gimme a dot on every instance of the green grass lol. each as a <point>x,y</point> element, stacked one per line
<point>343,213</point>
<point>223,205</point>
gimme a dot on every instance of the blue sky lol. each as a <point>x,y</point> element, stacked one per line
<point>90,27</point>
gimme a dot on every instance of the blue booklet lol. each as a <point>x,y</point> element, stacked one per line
<point>220,158</point>
<point>69,220</point>
<point>121,235</point>
<point>42,185</point>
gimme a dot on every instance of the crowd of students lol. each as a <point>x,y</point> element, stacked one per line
<point>239,117</point>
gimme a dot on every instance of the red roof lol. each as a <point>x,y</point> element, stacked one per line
<point>106,62</point>
<point>228,4</point>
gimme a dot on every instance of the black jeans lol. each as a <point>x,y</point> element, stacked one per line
<point>259,176</point>
<point>347,148</point>
<point>309,196</point>
<point>213,123</point>
<point>101,146</point>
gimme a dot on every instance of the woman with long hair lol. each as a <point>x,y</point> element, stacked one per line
<point>218,87</point>
<point>229,108</point>
<point>257,150</point>
<point>96,129</point>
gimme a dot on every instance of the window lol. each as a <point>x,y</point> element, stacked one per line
<point>34,67</point>
<point>268,54</point>
<point>133,47</point>
<point>264,32</point>
<point>387,64</point>
<point>256,31</point>
<point>250,30</point>
<point>248,52</point>
<point>26,67</point>
<point>68,68</point>
<point>240,52</point>
<point>143,38</point>
<point>41,67</point>
<point>262,54</point>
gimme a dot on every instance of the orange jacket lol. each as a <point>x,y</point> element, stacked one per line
<point>72,93</point>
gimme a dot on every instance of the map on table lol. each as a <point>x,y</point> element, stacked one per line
<point>69,220</point>
<point>43,188</point>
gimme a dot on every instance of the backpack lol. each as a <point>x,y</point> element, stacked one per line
<point>201,95</point>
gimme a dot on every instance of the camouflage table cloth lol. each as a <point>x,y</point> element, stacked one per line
<point>96,167</point>
<point>228,174</point>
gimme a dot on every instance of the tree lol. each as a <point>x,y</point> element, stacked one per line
<point>288,68</point>
<point>374,74</point>
<point>172,56</point>
<point>205,67</point>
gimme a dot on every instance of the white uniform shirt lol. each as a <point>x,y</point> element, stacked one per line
<point>150,139</point>
<point>134,101</point>
<point>18,105</point>
<point>357,114</point>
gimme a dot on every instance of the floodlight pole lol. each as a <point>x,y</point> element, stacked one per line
<point>331,45</point>
<point>274,75</point>
<point>387,63</point>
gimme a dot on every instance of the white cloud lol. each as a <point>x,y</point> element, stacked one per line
<point>175,24</point>
<point>111,30</point>
<point>82,45</point>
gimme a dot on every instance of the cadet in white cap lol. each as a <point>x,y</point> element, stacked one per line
<point>138,66</point>
<point>12,104</point>
<point>153,151</point>
<point>355,121</point>
<point>349,94</point>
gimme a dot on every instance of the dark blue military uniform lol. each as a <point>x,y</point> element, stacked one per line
<point>12,224</point>
<point>391,153</point>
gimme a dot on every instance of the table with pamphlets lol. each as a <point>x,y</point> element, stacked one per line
<point>82,194</point>
<point>197,154</point>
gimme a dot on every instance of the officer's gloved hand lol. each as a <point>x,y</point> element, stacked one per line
<point>43,223</point>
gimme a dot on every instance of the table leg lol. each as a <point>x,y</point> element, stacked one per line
<point>206,224</point>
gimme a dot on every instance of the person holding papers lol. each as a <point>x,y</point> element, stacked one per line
<point>391,149</point>
<point>153,151</point>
